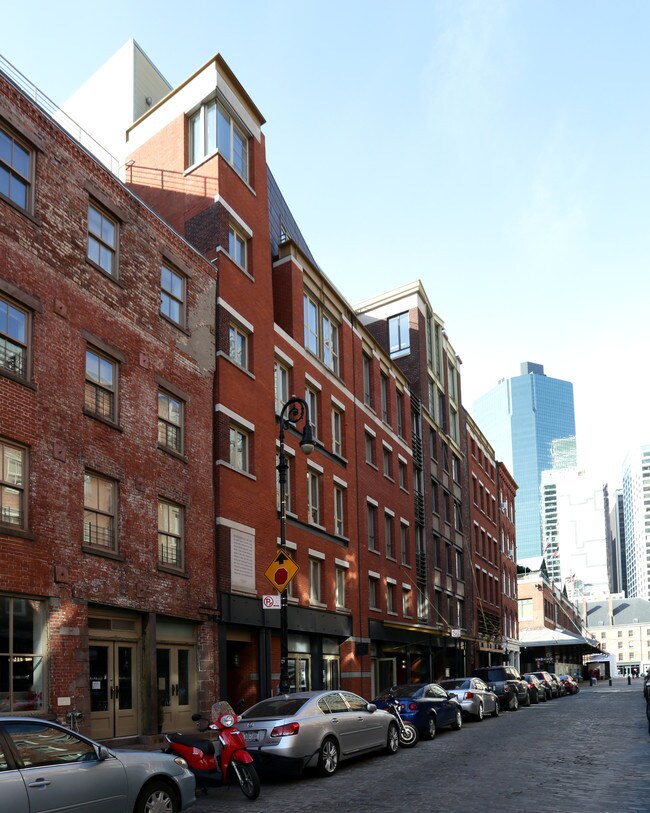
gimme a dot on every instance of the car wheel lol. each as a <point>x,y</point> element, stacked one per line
<point>156,797</point>
<point>527,700</point>
<point>479,713</point>
<point>459,721</point>
<point>392,741</point>
<point>328,758</point>
<point>431,728</point>
<point>513,703</point>
<point>497,708</point>
<point>534,698</point>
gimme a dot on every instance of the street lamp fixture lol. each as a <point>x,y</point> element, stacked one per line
<point>295,410</point>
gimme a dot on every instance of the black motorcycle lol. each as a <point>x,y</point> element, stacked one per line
<point>408,733</point>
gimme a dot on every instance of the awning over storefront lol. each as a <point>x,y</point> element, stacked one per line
<point>545,637</point>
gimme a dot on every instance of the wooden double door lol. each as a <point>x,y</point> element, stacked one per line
<point>114,674</point>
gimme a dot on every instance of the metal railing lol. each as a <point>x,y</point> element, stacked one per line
<point>83,138</point>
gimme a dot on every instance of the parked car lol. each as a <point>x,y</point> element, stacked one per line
<point>536,690</point>
<point>315,729</point>
<point>475,698</point>
<point>427,705</point>
<point>549,684</point>
<point>46,766</point>
<point>508,685</point>
<point>561,691</point>
<point>570,684</point>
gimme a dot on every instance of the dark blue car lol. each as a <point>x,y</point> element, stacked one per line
<point>427,705</point>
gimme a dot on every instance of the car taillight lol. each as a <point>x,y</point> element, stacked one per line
<point>469,695</point>
<point>413,706</point>
<point>287,730</point>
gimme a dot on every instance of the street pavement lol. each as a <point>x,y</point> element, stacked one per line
<point>587,753</point>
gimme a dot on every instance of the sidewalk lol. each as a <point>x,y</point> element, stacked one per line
<point>619,684</point>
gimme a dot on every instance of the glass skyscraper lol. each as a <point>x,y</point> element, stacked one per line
<point>530,422</point>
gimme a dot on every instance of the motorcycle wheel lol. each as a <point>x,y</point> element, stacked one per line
<point>408,736</point>
<point>249,781</point>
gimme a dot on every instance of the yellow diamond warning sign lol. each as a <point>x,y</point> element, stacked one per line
<point>281,570</point>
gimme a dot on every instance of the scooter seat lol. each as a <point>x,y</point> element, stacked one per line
<point>205,746</point>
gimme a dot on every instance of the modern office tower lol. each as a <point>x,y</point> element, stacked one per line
<point>636,518</point>
<point>615,541</point>
<point>573,525</point>
<point>530,422</point>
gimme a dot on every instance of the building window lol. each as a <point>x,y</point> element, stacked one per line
<point>281,386</point>
<point>16,170</point>
<point>102,240</point>
<point>373,593</point>
<point>455,468</point>
<point>22,645</point>
<point>384,397</point>
<point>237,247</point>
<point>370,449</point>
<point>321,334</point>
<point>315,578</point>
<point>172,295</point>
<point>388,536</point>
<point>460,566</point>
<point>238,346</point>
<point>398,333</point>
<point>101,386</point>
<point>401,471</point>
<point>371,513</point>
<point>170,534</point>
<point>15,325</point>
<point>404,542</point>
<point>341,575</point>
<point>387,460</point>
<point>339,510</point>
<point>406,602</point>
<point>239,453</point>
<point>213,128</point>
<point>170,422</point>
<point>390,597</point>
<point>313,497</point>
<point>525,609</point>
<point>100,501</point>
<point>12,486</point>
<point>337,431</point>
<point>367,380</point>
<point>400,414</point>
<point>311,397</point>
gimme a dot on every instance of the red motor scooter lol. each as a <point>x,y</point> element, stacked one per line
<point>215,766</point>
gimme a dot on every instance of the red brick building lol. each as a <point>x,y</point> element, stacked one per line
<point>492,552</point>
<point>414,336</point>
<point>107,587</point>
<point>282,329</point>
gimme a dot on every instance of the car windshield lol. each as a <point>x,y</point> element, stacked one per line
<point>407,690</point>
<point>489,675</point>
<point>454,684</point>
<point>275,707</point>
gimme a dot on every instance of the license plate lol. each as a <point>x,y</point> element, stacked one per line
<point>253,736</point>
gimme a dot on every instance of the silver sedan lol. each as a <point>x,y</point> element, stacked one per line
<point>473,695</point>
<point>315,729</point>
<point>47,767</point>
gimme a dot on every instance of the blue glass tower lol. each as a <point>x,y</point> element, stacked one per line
<point>530,422</point>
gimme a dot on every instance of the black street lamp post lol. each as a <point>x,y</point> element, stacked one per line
<point>294,410</point>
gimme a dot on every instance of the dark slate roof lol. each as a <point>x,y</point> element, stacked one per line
<point>625,611</point>
<point>282,223</point>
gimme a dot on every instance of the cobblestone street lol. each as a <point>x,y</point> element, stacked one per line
<point>589,753</point>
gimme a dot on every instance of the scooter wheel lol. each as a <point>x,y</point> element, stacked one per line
<point>249,781</point>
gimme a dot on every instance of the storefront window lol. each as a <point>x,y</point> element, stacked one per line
<point>21,654</point>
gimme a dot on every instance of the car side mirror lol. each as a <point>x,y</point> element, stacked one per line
<point>371,707</point>
<point>102,753</point>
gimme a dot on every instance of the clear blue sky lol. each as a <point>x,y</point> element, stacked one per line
<point>497,150</point>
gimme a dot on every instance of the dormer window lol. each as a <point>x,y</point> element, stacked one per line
<point>212,129</point>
